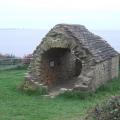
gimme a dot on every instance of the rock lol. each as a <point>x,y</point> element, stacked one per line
<point>62,90</point>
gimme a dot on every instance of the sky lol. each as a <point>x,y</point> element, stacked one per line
<point>44,14</point>
<point>39,16</point>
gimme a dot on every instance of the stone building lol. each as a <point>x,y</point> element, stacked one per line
<point>71,57</point>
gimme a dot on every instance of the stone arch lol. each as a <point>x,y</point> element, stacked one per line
<point>59,66</point>
<point>59,61</point>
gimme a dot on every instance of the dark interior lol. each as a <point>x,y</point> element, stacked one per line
<point>59,66</point>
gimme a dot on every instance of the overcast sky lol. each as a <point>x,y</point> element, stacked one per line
<point>44,14</point>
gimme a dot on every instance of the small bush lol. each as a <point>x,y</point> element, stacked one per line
<point>76,94</point>
<point>31,88</point>
<point>110,110</point>
<point>27,59</point>
<point>20,67</point>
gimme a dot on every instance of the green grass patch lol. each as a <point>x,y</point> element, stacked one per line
<point>17,105</point>
<point>13,67</point>
<point>32,89</point>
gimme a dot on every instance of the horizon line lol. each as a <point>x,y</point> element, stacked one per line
<point>50,28</point>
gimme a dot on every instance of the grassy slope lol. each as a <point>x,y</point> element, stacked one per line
<point>15,105</point>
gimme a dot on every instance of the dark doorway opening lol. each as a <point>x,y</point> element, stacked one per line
<point>59,66</point>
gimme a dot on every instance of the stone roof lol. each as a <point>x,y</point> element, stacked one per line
<point>96,45</point>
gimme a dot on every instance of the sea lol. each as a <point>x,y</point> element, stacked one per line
<point>20,42</point>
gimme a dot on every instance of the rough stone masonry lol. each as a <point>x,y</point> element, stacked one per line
<point>70,57</point>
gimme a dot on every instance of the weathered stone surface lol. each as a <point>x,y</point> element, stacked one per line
<point>71,57</point>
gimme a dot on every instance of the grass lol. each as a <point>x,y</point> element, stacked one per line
<point>9,67</point>
<point>16,105</point>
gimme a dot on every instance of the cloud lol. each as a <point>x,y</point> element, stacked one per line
<point>46,13</point>
<point>63,5</point>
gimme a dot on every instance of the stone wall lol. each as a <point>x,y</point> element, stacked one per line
<point>105,71</point>
<point>115,67</point>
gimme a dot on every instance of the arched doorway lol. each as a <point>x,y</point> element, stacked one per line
<point>59,66</point>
